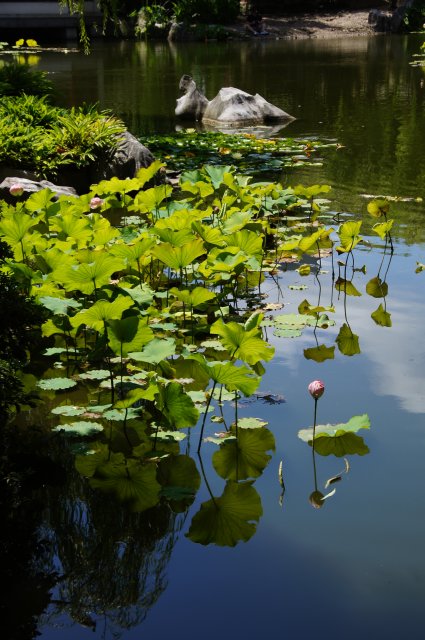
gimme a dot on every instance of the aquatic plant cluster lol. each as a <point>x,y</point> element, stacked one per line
<point>156,323</point>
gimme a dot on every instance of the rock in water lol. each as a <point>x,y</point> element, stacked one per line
<point>232,107</point>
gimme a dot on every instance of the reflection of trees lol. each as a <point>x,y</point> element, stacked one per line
<point>112,562</point>
<point>59,535</point>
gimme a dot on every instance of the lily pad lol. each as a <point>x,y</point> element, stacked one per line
<point>56,384</point>
<point>80,429</point>
<point>338,439</point>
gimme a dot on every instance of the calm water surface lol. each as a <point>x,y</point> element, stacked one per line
<point>356,566</point>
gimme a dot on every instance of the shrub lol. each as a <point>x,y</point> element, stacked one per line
<point>35,135</point>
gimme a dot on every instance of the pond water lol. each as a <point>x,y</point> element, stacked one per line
<point>355,566</point>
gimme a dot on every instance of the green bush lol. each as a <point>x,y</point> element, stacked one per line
<point>35,135</point>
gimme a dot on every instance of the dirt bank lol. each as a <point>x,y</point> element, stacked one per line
<point>323,25</point>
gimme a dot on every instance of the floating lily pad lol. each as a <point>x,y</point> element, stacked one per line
<point>56,384</point>
<point>338,439</point>
<point>80,429</point>
<point>95,374</point>
<point>69,410</point>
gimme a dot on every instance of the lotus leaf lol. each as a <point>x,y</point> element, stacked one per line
<point>56,384</point>
<point>80,429</point>
<point>157,350</point>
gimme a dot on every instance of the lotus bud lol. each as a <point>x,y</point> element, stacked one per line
<point>316,389</point>
<point>16,189</point>
<point>96,203</point>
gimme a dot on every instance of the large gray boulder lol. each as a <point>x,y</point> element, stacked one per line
<point>230,108</point>
<point>234,107</point>
<point>192,104</point>
<point>30,186</point>
<point>130,156</point>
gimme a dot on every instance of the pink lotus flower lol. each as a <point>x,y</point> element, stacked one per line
<point>96,203</point>
<point>316,389</point>
<point>16,189</point>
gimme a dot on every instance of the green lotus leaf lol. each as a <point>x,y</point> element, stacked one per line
<point>157,350</point>
<point>251,423</point>
<point>40,200</point>
<point>88,276</point>
<point>141,294</point>
<point>234,378</point>
<point>15,229</point>
<point>145,174</point>
<point>135,395</point>
<point>320,353</point>
<point>382,317</point>
<point>349,235</point>
<point>175,238</point>
<point>242,344</point>
<point>179,257</point>
<point>129,334</point>
<point>236,222</point>
<point>119,415</point>
<point>229,519</point>
<point>59,306</point>
<point>177,406</point>
<point>95,374</point>
<point>247,241</point>
<point>210,235</point>
<point>70,226</point>
<point>133,251</point>
<point>218,175</point>
<point>377,288</point>
<point>191,370</point>
<point>151,199</point>
<point>383,228</point>
<point>168,436</point>
<point>69,410</point>
<point>194,297</point>
<point>347,287</point>
<point>56,384</point>
<point>129,481</point>
<point>335,432</point>
<point>80,429</point>
<point>347,341</point>
<point>54,351</point>
<point>102,311</point>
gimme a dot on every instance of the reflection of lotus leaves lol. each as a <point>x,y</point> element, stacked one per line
<point>180,480</point>
<point>245,457</point>
<point>347,341</point>
<point>227,520</point>
<point>338,439</point>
